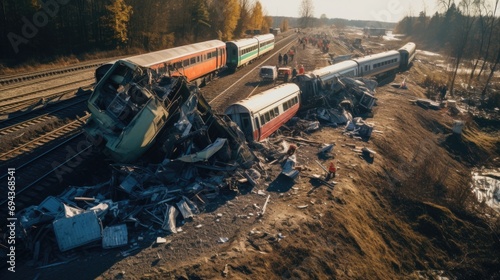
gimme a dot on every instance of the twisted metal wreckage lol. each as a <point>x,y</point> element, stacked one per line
<point>201,154</point>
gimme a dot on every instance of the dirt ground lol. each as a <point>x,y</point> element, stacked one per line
<point>398,216</point>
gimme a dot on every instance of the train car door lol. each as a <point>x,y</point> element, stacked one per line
<point>403,63</point>
<point>256,134</point>
<point>246,126</point>
<point>243,121</point>
<point>220,53</point>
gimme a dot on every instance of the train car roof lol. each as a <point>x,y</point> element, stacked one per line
<point>265,99</point>
<point>376,56</point>
<point>264,37</point>
<point>149,59</point>
<point>409,47</point>
<point>335,68</point>
<point>243,42</point>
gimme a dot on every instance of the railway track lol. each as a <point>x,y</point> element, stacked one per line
<point>225,96</point>
<point>44,174</point>
<point>14,79</point>
<point>20,96</point>
<point>30,146</point>
<point>42,80</point>
<point>22,121</point>
<point>40,101</point>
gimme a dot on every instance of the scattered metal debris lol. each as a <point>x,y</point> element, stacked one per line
<point>199,154</point>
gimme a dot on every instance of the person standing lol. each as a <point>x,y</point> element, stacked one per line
<point>331,171</point>
<point>285,59</point>
<point>301,69</point>
<point>280,58</point>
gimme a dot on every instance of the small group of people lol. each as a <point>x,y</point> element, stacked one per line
<point>283,59</point>
<point>287,57</point>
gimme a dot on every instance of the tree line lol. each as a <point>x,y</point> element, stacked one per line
<point>468,29</point>
<point>44,28</point>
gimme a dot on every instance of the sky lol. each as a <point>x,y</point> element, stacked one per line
<point>378,10</point>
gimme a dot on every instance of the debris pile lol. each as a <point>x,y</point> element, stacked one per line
<point>198,155</point>
<point>156,197</point>
<point>356,95</point>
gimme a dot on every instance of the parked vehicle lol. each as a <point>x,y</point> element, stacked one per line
<point>268,73</point>
<point>285,74</point>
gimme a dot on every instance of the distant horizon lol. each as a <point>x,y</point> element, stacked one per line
<point>376,10</point>
<point>391,11</point>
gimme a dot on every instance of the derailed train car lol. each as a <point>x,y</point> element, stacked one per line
<point>197,62</point>
<point>127,113</point>
<point>132,111</point>
<point>262,114</point>
<point>381,64</point>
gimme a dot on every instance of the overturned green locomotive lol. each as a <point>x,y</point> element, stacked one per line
<point>135,109</point>
<point>128,110</point>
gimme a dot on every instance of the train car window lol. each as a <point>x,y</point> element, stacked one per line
<point>276,111</point>
<point>285,106</point>
<point>209,55</point>
<point>271,114</point>
<point>198,58</point>
<point>178,64</point>
<point>185,62</point>
<point>192,60</point>
<point>267,117</point>
<point>262,120</point>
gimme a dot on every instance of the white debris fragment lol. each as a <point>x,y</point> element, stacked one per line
<point>160,240</point>
<point>223,239</point>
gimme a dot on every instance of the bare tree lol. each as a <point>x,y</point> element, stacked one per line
<point>306,13</point>
<point>466,22</point>
<point>495,63</point>
<point>491,27</point>
<point>445,4</point>
<point>483,30</point>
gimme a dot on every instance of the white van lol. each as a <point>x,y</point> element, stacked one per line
<point>268,73</point>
